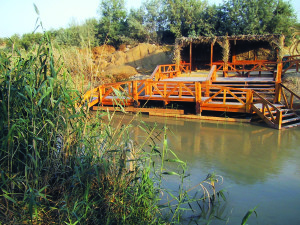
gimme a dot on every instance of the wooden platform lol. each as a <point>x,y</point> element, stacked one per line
<point>258,95</point>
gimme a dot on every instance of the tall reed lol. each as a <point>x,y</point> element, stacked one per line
<point>65,166</point>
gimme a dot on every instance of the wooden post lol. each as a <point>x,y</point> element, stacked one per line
<point>198,97</point>
<point>278,90</point>
<point>291,101</point>
<point>211,54</point>
<point>190,57</point>
<point>279,72</point>
<point>100,94</point>
<point>147,88</point>
<point>233,53</point>
<point>135,93</point>
<point>249,100</point>
<point>225,69</point>
<point>279,119</point>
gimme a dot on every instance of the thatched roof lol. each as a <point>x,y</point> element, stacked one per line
<point>271,38</point>
<point>275,40</point>
<point>196,40</point>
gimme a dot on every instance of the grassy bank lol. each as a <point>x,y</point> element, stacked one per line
<point>62,165</point>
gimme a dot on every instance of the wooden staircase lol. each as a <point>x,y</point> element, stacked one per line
<point>264,88</point>
<point>269,102</point>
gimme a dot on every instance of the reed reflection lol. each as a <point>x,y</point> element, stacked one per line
<point>244,153</point>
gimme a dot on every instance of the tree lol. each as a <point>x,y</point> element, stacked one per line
<point>30,39</point>
<point>283,19</point>
<point>136,25</point>
<point>78,35</point>
<point>257,17</point>
<point>112,22</point>
<point>184,16</point>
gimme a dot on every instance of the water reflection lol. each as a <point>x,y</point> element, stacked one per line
<point>245,153</point>
<point>260,165</point>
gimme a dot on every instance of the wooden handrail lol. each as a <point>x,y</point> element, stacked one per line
<point>154,73</point>
<point>291,63</point>
<point>288,104</point>
<point>273,121</point>
<point>226,89</point>
<point>265,101</point>
<point>161,70</point>
<point>212,74</point>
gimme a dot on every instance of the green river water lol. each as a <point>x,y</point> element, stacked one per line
<point>260,166</point>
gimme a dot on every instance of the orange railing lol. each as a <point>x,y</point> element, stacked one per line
<point>185,67</point>
<point>116,93</point>
<point>287,95</point>
<point>267,111</point>
<point>162,72</point>
<point>131,92</point>
<point>244,68</point>
<point>290,62</point>
<point>166,90</point>
<point>228,96</point>
<point>212,76</point>
<point>165,71</point>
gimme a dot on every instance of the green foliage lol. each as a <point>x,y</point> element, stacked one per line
<point>248,214</point>
<point>257,17</point>
<point>13,41</point>
<point>112,22</point>
<point>158,21</point>
<point>77,35</point>
<point>26,42</point>
<point>2,41</point>
<point>61,165</point>
<point>184,17</point>
<point>136,28</point>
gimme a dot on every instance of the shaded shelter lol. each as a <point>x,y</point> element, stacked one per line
<point>229,51</point>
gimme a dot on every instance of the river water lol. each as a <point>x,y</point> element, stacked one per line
<point>260,166</point>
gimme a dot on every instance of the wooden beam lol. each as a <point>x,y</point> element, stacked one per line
<point>212,118</point>
<point>233,53</point>
<point>211,54</point>
<point>191,57</point>
<point>144,110</point>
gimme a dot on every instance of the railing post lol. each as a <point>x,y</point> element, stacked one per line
<point>147,88</point>
<point>207,86</point>
<point>291,101</point>
<point>249,101</point>
<point>278,90</point>
<point>279,72</point>
<point>224,96</point>
<point>214,76</point>
<point>279,119</point>
<point>198,97</point>
<point>225,69</point>
<point>101,94</point>
<point>135,93</point>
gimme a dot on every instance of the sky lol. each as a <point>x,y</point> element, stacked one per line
<point>19,16</point>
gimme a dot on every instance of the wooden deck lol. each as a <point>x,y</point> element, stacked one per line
<point>255,94</point>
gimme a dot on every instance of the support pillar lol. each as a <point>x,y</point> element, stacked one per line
<point>198,97</point>
<point>191,57</point>
<point>211,54</point>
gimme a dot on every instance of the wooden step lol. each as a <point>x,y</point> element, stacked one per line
<point>288,114</point>
<point>242,84</point>
<point>291,125</point>
<point>291,120</point>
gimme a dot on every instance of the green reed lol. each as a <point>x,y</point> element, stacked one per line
<point>62,165</point>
